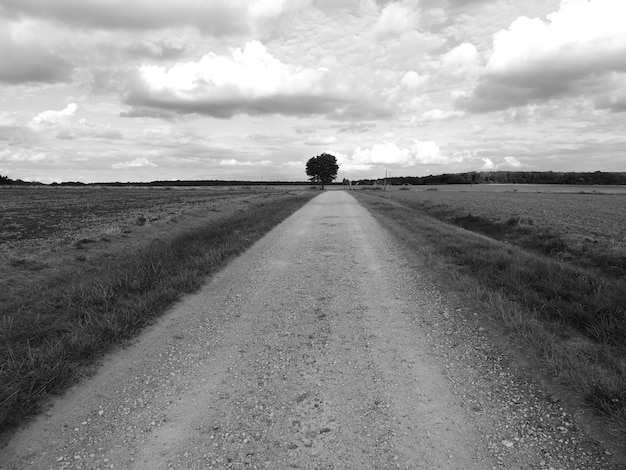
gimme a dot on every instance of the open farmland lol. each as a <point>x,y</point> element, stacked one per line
<point>57,231</point>
<point>47,216</point>
<point>588,223</point>
<point>83,269</point>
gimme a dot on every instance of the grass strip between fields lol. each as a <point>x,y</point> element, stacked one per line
<point>48,343</point>
<point>572,319</point>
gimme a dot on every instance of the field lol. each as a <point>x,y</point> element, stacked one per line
<point>84,269</point>
<point>58,231</point>
<point>584,224</point>
<point>546,266</point>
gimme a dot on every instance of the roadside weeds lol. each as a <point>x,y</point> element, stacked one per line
<point>569,318</point>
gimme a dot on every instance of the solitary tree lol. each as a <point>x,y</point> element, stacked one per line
<point>322,169</point>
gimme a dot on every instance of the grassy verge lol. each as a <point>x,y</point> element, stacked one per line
<point>523,232</point>
<point>571,318</point>
<point>47,342</point>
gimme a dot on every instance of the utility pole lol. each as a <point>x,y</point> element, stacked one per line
<point>385,183</point>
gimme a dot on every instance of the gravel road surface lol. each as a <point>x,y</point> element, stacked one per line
<point>322,347</point>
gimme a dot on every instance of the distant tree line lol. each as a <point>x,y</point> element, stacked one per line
<point>6,181</point>
<point>205,183</point>
<point>477,177</point>
<point>508,177</point>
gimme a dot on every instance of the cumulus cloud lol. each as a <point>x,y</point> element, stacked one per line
<point>395,19</point>
<point>512,161</point>
<point>535,60</point>
<point>252,81</point>
<point>52,119</point>
<point>412,80</point>
<point>488,164</point>
<point>389,154</point>
<point>461,61</point>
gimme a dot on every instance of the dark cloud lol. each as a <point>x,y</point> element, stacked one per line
<point>144,103</point>
<point>493,94</point>
<point>496,92</point>
<point>299,105</point>
<point>145,111</point>
<point>32,64</point>
<point>216,17</point>
<point>615,104</point>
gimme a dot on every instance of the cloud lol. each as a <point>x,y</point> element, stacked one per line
<point>613,98</point>
<point>27,155</point>
<point>305,129</point>
<point>412,80</point>
<point>234,162</point>
<point>358,127</point>
<point>389,154</point>
<point>463,3</point>
<point>136,163</point>
<point>11,128</point>
<point>440,115</point>
<point>509,162</point>
<point>512,161</point>
<point>535,60</point>
<point>47,119</point>
<point>615,103</point>
<point>461,61</point>
<point>217,16</point>
<point>252,81</point>
<point>488,164</point>
<point>110,134</point>
<point>25,60</point>
<point>395,19</point>
<point>159,50</point>
<point>320,140</point>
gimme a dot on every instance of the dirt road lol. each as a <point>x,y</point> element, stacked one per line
<point>321,347</point>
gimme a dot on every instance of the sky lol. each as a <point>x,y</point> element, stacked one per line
<point>143,90</point>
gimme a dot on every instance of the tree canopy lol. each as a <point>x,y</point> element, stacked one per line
<point>322,169</point>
